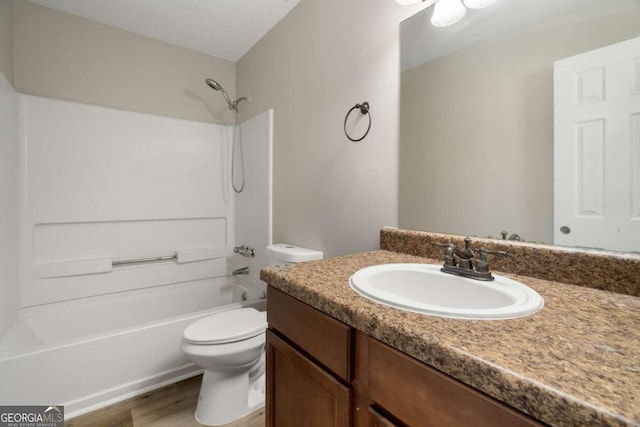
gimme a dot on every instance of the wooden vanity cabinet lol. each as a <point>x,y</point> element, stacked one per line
<point>309,365</point>
<point>321,372</point>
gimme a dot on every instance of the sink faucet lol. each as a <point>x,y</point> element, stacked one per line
<point>460,261</point>
<point>465,255</point>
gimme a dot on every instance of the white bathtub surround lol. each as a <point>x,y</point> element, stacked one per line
<point>97,187</point>
<point>253,205</point>
<point>104,184</point>
<point>9,202</point>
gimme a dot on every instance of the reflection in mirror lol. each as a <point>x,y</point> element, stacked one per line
<point>477,114</point>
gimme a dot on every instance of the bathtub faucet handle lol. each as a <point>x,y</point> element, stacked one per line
<point>245,251</point>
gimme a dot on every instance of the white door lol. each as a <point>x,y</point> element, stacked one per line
<point>597,148</point>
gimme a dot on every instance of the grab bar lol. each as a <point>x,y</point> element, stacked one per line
<point>143,260</point>
<point>79,267</point>
<point>182,256</point>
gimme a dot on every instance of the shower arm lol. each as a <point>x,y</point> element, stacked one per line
<point>234,105</point>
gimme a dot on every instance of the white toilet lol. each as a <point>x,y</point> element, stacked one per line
<point>230,347</point>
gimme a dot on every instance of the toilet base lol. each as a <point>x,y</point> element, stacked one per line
<point>225,397</point>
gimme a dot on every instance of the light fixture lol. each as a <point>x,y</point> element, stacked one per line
<point>478,4</point>
<point>447,12</point>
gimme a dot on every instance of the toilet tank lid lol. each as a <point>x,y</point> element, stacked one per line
<point>227,326</point>
<point>291,253</point>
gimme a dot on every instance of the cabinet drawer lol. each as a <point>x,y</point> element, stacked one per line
<point>325,339</point>
<point>378,420</point>
<point>420,395</point>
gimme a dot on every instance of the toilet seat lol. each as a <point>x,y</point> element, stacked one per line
<point>226,327</point>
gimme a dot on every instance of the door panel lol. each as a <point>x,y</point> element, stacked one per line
<point>597,148</point>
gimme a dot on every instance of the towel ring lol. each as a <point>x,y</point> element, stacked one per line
<point>364,109</point>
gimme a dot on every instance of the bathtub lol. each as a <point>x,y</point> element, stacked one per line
<point>90,354</point>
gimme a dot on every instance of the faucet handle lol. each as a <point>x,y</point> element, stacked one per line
<point>499,254</point>
<point>482,265</point>
<point>444,245</point>
<point>449,250</point>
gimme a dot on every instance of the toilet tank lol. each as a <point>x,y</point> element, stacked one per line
<point>284,253</point>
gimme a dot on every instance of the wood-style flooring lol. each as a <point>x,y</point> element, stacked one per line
<point>170,406</point>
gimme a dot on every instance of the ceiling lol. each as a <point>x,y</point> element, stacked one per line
<point>422,42</point>
<point>226,29</point>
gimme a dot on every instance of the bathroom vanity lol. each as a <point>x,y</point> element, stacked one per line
<point>336,368</point>
<point>336,358</point>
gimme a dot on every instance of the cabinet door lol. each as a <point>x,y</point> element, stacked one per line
<point>299,393</point>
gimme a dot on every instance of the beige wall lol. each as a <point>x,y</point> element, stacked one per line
<point>63,56</point>
<point>320,60</point>
<point>476,152</point>
<point>6,39</point>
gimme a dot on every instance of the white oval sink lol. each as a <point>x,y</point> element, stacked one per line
<point>423,288</point>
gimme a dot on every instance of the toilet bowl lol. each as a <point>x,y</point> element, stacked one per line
<point>229,346</point>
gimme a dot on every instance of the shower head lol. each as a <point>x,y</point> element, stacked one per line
<point>217,86</point>
<point>213,84</point>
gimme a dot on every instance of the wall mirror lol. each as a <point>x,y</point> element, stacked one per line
<point>477,117</point>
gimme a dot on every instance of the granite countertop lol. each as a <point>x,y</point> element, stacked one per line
<point>575,362</point>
